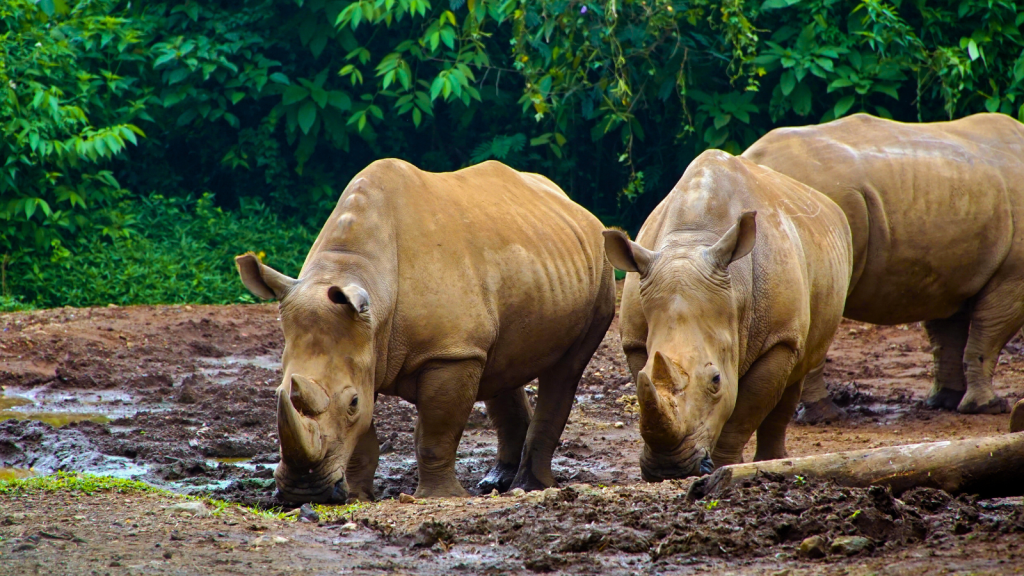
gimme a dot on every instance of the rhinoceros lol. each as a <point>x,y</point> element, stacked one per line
<point>442,289</point>
<point>735,288</point>
<point>935,211</point>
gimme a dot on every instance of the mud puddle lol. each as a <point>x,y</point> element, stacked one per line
<point>187,401</point>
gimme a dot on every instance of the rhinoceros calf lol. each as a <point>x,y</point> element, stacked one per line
<point>718,341</point>
<point>442,289</point>
<point>935,211</point>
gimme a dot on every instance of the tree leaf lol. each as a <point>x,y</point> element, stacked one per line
<point>307,115</point>
<point>801,99</point>
<point>787,82</point>
<point>972,49</point>
<point>293,94</point>
<point>843,105</point>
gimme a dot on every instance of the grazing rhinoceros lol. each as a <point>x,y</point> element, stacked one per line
<point>443,289</point>
<point>718,343</point>
<point>935,211</point>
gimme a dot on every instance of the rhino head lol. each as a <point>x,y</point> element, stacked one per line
<point>325,400</point>
<point>687,389</point>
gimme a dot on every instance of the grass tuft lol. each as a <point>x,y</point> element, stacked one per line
<point>90,484</point>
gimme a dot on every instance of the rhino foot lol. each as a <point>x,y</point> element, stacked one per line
<point>945,399</point>
<point>823,410</point>
<point>499,478</point>
<point>527,481</point>
<point>995,405</point>
<point>1017,417</point>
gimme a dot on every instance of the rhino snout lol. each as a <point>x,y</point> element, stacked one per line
<point>336,493</point>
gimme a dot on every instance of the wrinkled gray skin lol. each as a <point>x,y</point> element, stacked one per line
<point>735,288</point>
<point>935,212</point>
<point>443,289</point>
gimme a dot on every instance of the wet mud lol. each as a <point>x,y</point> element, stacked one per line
<point>182,397</point>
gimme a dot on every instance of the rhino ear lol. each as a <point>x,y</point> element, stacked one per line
<point>352,295</point>
<point>263,281</point>
<point>737,242</point>
<point>626,255</point>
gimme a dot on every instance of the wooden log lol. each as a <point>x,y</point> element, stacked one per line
<point>991,466</point>
<point>1017,417</point>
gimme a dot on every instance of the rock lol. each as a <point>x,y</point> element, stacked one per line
<point>850,545</point>
<point>517,492</point>
<point>350,527</point>
<point>619,425</point>
<point>583,490</point>
<point>813,547</point>
<point>307,513</point>
<point>278,540</point>
<point>192,507</point>
<point>494,493</point>
<point>406,499</point>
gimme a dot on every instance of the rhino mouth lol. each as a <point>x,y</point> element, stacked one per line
<point>307,488</point>
<point>659,466</point>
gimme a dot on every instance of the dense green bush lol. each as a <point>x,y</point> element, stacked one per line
<point>107,105</point>
<point>166,250</point>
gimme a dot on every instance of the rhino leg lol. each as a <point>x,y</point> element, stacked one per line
<point>362,466</point>
<point>948,337</point>
<point>760,390</point>
<point>817,404</point>
<point>445,395</point>
<point>510,414</point>
<point>771,434</point>
<point>996,316</point>
<point>555,393</point>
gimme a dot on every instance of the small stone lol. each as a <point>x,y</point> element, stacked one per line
<point>406,499</point>
<point>192,507</point>
<point>619,425</point>
<point>850,545</point>
<point>351,526</point>
<point>517,492</point>
<point>188,308</point>
<point>813,547</point>
<point>307,513</point>
<point>168,554</point>
<point>494,493</point>
<point>24,547</point>
<point>550,495</point>
<point>278,539</point>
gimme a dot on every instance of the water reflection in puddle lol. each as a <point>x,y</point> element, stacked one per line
<point>7,474</point>
<point>226,370</point>
<point>58,408</point>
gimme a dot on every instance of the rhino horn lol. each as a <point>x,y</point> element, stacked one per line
<point>308,396</point>
<point>658,425</point>
<point>301,444</point>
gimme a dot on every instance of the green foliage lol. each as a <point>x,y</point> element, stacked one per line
<point>68,105</point>
<point>110,108</point>
<point>73,482</point>
<point>159,250</point>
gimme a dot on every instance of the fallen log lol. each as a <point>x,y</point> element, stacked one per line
<point>992,466</point>
<point>1017,417</point>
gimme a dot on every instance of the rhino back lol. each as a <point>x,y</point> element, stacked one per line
<point>792,286</point>
<point>490,264</point>
<point>931,206</point>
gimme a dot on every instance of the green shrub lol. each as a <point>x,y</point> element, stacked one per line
<point>158,250</point>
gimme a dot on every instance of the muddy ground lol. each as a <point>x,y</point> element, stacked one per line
<point>182,397</point>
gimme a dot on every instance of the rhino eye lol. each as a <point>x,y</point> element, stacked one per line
<point>716,382</point>
<point>354,403</point>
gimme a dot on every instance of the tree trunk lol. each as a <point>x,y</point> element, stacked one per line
<point>991,466</point>
<point>1017,417</point>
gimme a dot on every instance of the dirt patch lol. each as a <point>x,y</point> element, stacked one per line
<point>183,397</point>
